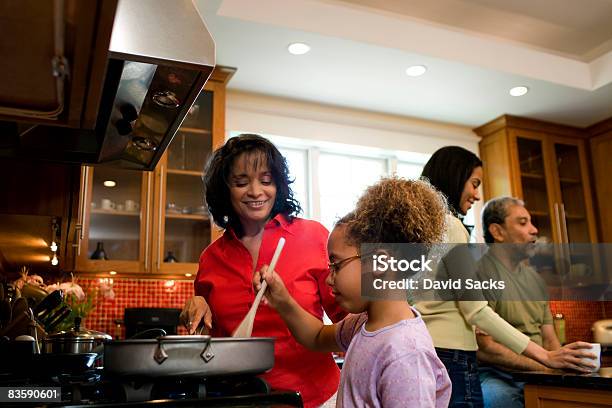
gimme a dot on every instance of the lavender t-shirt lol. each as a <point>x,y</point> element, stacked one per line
<point>395,366</point>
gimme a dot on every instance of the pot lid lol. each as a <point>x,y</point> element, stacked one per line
<point>79,333</point>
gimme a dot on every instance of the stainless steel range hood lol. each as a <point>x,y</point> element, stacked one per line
<point>135,86</point>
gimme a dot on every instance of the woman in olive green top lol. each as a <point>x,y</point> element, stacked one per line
<point>457,173</point>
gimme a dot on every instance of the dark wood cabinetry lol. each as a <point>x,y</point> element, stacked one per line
<point>34,195</point>
<point>601,167</point>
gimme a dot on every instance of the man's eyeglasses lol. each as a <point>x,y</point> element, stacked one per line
<point>334,267</point>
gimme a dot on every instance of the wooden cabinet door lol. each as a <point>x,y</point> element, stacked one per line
<point>573,196</point>
<point>182,224</point>
<point>532,158</point>
<point>601,151</point>
<point>115,214</point>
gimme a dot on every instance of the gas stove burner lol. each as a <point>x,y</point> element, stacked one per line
<point>89,377</point>
<point>94,389</point>
<point>132,390</point>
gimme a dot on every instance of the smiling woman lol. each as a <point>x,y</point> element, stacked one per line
<point>252,191</point>
<point>249,195</point>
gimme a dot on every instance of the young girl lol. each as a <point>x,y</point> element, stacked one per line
<point>390,358</point>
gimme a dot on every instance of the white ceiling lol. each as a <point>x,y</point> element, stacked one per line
<point>475,51</point>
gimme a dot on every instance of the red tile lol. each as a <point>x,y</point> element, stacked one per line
<point>135,293</point>
<point>579,317</point>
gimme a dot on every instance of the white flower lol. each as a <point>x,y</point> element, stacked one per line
<point>71,288</point>
<point>35,280</point>
<point>106,289</point>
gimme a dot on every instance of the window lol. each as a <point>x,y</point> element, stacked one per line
<point>409,170</point>
<point>330,177</point>
<point>342,179</point>
<point>297,161</point>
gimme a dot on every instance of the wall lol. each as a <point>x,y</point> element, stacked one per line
<point>304,120</point>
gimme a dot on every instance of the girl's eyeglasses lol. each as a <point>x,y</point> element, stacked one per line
<point>334,267</point>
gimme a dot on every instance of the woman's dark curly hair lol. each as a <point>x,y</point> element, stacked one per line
<point>218,171</point>
<point>448,169</point>
<point>397,210</point>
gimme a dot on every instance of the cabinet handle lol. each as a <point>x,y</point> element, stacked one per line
<point>161,210</point>
<point>79,227</point>
<point>147,222</point>
<point>563,221</point>
<point>558,236</point>
<point>563,237</point>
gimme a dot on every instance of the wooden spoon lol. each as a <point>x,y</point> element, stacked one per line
<point>245,328</point>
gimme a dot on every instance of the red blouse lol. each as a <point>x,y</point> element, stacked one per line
<point>225,280</point>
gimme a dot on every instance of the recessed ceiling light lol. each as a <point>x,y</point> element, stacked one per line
<point>416,70</point>
<point>519,91</point>
<point>109,183</point>
<point>298,48</point>
<point>112,273</point>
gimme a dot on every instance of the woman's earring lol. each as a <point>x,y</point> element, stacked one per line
<point>225,219</point>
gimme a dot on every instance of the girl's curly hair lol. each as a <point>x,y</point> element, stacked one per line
<point>397,210</point>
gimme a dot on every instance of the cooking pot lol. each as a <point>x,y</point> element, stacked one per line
<point>201,356</point>
<point>76,340</point>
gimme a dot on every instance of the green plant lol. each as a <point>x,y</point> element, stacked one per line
<point>83,300</point>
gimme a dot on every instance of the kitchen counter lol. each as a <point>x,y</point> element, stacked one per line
<point>599,380</point>
<point>563,389</point>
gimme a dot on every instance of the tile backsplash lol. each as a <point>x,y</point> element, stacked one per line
<point>135,293</point>
<point>579,316</point>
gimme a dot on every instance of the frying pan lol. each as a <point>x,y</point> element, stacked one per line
<point>188,356</point>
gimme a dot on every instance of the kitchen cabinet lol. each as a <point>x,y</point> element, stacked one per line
<point>35,86</point>
<point>154,222</point>
<point>537,396</point>
<point>601,152</point>
<point>35,196</point>
<point>545,165</point>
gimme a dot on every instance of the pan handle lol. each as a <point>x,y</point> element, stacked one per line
<point>160,355</point>
<point>207,354</point>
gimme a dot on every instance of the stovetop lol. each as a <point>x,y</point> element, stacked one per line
<point>93,389</point>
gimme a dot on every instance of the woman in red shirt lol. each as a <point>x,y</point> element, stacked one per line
<point>248,194</point>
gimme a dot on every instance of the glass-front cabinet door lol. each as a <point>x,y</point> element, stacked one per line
<point>535,182</point>
<point>117,225</point>
<point>574,208</point>
<point>553,182</point>
<point>184,229</point>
